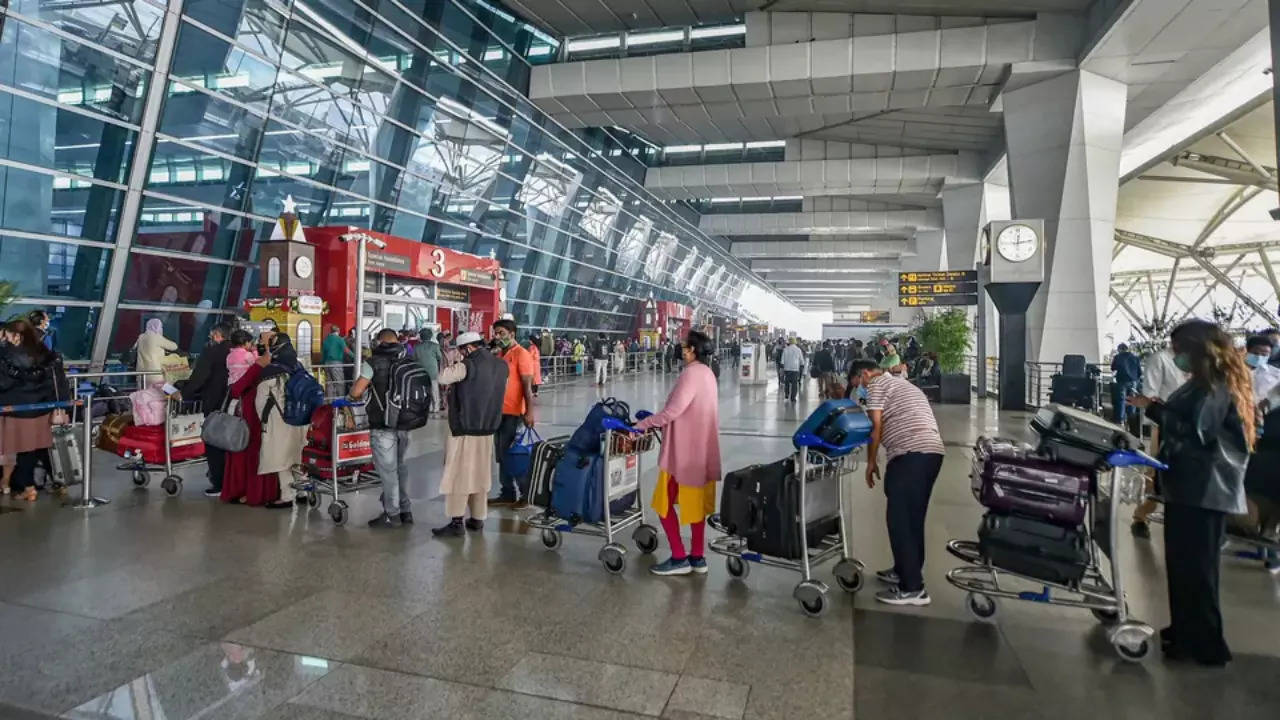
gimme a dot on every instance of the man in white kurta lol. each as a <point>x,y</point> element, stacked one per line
<point>468,459</point>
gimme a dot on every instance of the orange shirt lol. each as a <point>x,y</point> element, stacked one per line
<point>519,362</point>
<point>536,355</point>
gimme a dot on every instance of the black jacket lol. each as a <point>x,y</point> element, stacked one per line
<point>208,381</point>
<point>23,380</point>
<point>1202,440</point>
<point>475,403</point>
<point>823,361</point>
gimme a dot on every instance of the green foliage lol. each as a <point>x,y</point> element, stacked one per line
<point>6,297</point>
<point>946,333</point>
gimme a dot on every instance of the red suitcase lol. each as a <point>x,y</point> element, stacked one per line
<point>149,441</point>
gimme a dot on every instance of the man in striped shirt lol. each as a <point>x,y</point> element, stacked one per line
<point>903,423</point>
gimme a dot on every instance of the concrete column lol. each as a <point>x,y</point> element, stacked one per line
<point>963,216</point>
<point>1064,137</point>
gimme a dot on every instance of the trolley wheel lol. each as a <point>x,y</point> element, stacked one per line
<point>737,567</point>
<point>848,576</point>
<point>646,538</point>
<point>1131,641</point>
<point>141,478</point>
<point>338,512</point>
<point>313,500</point>
<point>982,606</point>
<point>1108,617</point>
<point>812,596</point>
<point>171,485</point>
<point>614,558</point>
<point>551,539</point>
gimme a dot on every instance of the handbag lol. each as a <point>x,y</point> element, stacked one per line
<point>225,429</point>
<point>518,459</point>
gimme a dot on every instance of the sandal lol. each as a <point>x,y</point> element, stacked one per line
<point>29,495</point>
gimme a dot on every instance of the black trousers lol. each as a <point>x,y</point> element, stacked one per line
<point>24,469</point>
<point>1192,543</point>
<point>502,441</point>
<point>790,384</point>
<point>217,460</point>
<point>908,483</point>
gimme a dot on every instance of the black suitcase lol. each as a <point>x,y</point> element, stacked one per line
<point>1033,548</point>
<point>1081,392</point>
<point>1074,437</point>
<point>775,511</point>
<point>739,489</point>
<point>546,453</point>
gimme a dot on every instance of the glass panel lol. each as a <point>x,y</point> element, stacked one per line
<point>68,72</point>
<point>41,203</point>
<point>207,61</point>
<point>38,268</point>
<point>211,122</point>
<point>253,23</point>
<point>182,283</point>
<point>189,328</point>
<point>72,327</point>
<point>130,27</point>
<point>78,144</point>
<point>192,229</point>
<point>201,177</point>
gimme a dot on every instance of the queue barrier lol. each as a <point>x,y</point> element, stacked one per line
<point>84,401</point>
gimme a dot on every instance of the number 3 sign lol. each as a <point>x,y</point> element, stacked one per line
<point>437,262</point>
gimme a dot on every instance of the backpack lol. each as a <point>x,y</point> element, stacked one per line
<point>407,403</point>
<point>586,438</point>
<point>302,395</point>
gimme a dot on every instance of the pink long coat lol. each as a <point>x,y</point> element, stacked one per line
<point>691,445</point>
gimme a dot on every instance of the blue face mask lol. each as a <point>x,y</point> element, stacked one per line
<point>862,393</point>
<point>1254,361</point>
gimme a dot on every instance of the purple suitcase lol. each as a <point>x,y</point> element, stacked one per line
<point>1013,481</point>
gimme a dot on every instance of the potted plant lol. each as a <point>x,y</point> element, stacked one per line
<point>7,294</point>
<point>947,334</point>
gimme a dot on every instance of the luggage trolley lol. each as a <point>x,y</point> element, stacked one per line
<point>346,450</point>
<point>623,449</point>
<point>1101,594</point>
<point>174,437</point>
<point>813,456</point>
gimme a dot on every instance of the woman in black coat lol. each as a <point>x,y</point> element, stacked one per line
<point>29,373</point>
<point>1207,430</point>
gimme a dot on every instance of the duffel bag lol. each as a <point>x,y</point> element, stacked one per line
<point>110,430</point>
<point>225,429</point>
<point>517,460</point>
<point>587,437</point>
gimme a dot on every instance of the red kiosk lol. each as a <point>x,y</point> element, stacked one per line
<point>662,319</point>
<point>408,284</point>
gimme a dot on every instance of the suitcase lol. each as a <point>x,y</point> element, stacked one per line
<point>1034,548</point>
<point>837,422</point>
<point>545,456</point>
<point>574,473</point>
<point>1081,392</point>
<point>65,467</point>
<point>148,441</point>
<point>1075,437</point>
<point>1013,481</point>
<point>110,430</point>
<point>740,486</point>
<point>777,532</point>
<point>319,461</point>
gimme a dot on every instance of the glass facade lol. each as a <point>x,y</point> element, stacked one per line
<point>405,116</point>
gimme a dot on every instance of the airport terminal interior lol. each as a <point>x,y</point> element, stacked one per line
<point>1007,191</point>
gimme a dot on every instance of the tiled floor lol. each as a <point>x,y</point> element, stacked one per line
<point>179,608</point>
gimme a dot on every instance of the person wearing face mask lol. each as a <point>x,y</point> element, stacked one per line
<point>1160,378</point>
<point>903,423</point>
<point>389,444</point>
<point>476,387</point>
<point>517,407</point>
<point>1208,429</point>
<point>1261,480</point>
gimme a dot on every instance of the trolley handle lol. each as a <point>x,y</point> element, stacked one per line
<point>344,402</point>
<point>1131,458</point>
<point>613,423</point>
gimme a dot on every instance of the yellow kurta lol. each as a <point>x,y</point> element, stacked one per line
<point>695,503</point>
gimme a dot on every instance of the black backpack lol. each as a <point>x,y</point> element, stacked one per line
<point>407,402</point>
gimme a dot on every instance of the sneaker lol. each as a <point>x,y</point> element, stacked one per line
<point>503,500</point>
<point>671,566</point>
<point>887,576</point>
<point>453,529</point>
<point>474,525</point>
<point>406,518</point>
<point>698,565</point>
<point>382,522</point>
<point>895,596</point>
<point>208,492</point>
<point>1140,529</point>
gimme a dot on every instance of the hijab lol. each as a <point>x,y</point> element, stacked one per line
<point>154,325</point>
<point>284,359</point>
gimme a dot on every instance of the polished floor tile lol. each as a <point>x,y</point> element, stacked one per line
<point>330,624</point>
<point>709,698</point>
<point>591,683</point>
<point>901,641</point>
<point>217,681</point>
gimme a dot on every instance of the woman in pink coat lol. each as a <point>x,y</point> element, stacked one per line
<point>689,463</point>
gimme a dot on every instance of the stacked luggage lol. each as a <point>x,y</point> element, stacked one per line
<point>566,474</point>
<point>1038,497</point>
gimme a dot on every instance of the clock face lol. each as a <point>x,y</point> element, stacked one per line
<point>1017,243</point>
<point>302,267</point>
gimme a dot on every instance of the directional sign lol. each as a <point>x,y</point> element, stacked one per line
<point>938,276</point>
<point>937,300</point>
<point>940,288</point>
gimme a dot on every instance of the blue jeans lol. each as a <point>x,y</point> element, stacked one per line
<point>1120,391</point>
<point>389,448</point>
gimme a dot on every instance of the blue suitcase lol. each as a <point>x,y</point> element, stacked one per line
<point>836,428</point>
<point>578,475</point>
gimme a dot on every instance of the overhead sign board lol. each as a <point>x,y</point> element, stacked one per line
<point>938,288</point>
<point>938,276</point>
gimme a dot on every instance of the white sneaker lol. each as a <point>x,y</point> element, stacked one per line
<point>895,596</point>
